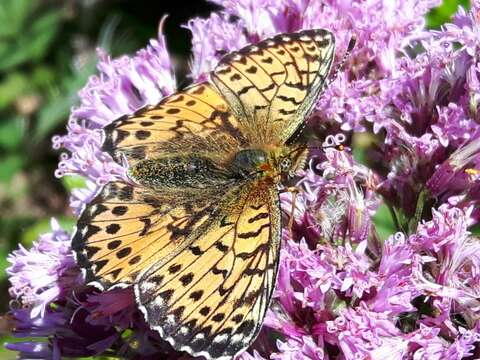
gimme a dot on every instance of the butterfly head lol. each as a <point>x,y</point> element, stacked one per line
<point>283,162</point>
<point>274,163</point>
<point>290,159</point>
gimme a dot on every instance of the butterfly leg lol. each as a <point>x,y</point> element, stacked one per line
<point>294,190</point>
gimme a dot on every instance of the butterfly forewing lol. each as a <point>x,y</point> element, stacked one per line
<point>273,85</point>
<point>196,119</point>
<point>210,298</point>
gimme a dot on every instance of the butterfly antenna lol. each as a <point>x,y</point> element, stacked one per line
<point>340,67</point>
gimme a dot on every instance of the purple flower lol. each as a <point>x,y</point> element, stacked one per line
<point>359,334</point>
<point>456,175</point>
<point>45,273</point>
<point>253,16</point>
<point>303,348</point>
<point>34,350</point>
<point>426,344</point>
<point>455,260</point>
<point>211,39</point>
<point>396,289</point>
<point>466,28</point>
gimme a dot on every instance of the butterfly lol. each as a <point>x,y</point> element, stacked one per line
<point>197,229</point>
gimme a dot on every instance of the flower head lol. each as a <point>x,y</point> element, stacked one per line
<point>45,273</point>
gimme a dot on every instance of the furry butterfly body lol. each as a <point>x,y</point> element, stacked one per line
<point>197,230</point>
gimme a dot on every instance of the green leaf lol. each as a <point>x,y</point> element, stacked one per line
<point>43,226</point>
<point>383,222</point>
<point>360,155</point>
<point>3,263</point>
<point>13,16</point>
<point>51,115</point>
<point>475,229</point>
<point>9,166</point>
<point>44,30</point>
<point>43,76</point>
<point>71,182</point>
<point>415,220</point>
<point>442,14</point>
<point>11,133</point>
<point>32,43</point>
<point>13,85</point>
<point>361,142</point>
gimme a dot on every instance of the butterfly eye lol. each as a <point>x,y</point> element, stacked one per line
<point>285,164</point>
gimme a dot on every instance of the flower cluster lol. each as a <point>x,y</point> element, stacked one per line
<point>342,291</point>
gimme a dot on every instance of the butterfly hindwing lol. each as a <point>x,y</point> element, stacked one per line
<point>272,85</point>
<point>210,298</point>
<point>125,229</point>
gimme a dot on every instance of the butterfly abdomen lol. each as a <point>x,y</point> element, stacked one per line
<point>179,171</point>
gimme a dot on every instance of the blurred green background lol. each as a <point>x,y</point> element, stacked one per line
<point>47,52</point>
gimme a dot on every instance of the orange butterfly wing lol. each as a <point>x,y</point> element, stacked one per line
<point>272,86</point>
<point>196,119</point>
<point>211,297</point>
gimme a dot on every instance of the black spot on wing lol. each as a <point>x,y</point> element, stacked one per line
<point>186,279</point>
<point>99,265</point>
<point>114,273</point>
<point>263,215</point>
<point>174,268</point>
<point>91,250</point>
<point>196,295</point>
<point>135,260</point>
<point>196,250</point>
<point>112,245</point>
<point>119,210</point>
<point>112,228</point>
<point>204,311</point>
<point>120,254</point>
<point>142,134</point>
<point>221,246</point>
<point>248,255</point>
<point>290,99</point>
<point>245,89</point>
<point>147,224</point>
<point>217,271</point>
<point>173,111</point>
<point>255,233</point>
